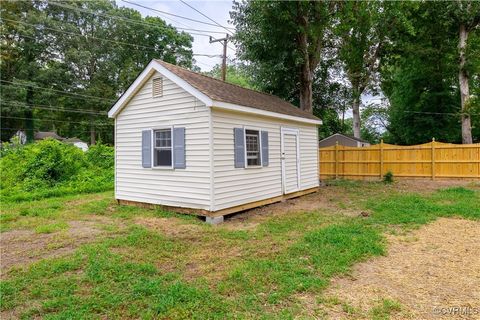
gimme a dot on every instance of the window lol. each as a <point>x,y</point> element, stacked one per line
<point>162,148</point>
<point>252,146</point>
<point>157,87</point>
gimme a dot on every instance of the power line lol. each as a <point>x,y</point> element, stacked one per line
<point>52,108</point>
<point>205,64</point>
<point>210,55</point>
<point>84,131</point>
<point>170,14</point>
<point>59,91</point>
<point>65,121</point>
<point>97,38</point>
<point>193,8</point>
<point>131,20</point>
<point>442,113</point>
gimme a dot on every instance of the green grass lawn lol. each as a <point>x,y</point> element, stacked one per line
<point>194,270</point>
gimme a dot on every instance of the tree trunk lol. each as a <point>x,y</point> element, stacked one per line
<point>356,116</point>
<point>306,76</point>
<point>306,96</point>
<point>464,89</point>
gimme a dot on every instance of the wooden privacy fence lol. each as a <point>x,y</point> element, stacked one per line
<point>429,160</point>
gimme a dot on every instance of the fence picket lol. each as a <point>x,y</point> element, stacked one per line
<point>430,160</point>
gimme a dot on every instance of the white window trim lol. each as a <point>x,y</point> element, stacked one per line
<point>259,146</point>
<point>152,148</point>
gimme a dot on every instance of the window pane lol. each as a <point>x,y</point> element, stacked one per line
<point>253,147</point>
<point>163,138</point>
<point>162,157</point>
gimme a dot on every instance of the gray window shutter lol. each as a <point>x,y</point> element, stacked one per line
<point>179,148</point>
<point>146,148</point>
<point>239,147</point>
<point>264,148</point>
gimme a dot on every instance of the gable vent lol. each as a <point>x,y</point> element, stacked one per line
<point>157,87</point>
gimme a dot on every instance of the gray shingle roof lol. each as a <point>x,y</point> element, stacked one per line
<point>218,90</point>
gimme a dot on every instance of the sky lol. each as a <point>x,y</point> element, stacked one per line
<point>217,10</point>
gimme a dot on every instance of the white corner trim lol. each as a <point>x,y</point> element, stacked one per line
<point>211,160</point>
<point>144,76</point>
<point>238,108</point>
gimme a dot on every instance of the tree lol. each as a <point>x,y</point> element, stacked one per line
<point>236,74</point>
<point>419,74</point>
<point>66,63</point>
<point>466,16</point>
<point>360,42</point>
<point>283,41</point>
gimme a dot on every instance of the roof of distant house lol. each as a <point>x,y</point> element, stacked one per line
<point>40,135</point>
<point>73,140</point>
<point>346,136</point>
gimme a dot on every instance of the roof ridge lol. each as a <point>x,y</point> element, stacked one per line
<point>225,82</point>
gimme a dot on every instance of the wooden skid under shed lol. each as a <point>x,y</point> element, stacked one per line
<point>223,212</point>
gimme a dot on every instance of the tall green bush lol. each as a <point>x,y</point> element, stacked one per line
<point>51,168</point>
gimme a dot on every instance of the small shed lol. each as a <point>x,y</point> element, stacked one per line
<point>343,140</point>
<point>195,144</point>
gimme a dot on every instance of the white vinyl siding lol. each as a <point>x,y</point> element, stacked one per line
<point>236,186</point>
<point>189,187</point>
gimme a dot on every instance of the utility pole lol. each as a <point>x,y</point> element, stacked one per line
<point>224,57</point>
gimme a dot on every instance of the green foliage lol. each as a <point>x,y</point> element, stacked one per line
<point>51,168</point>
<point>414,209</point>
<point>385,309</point>
<point>137,272</point>
<point>268,36</point>
<point>102,64</point>
<point>236,74</point>
<point>420,73</point>
<point>307,265</point>
<point>102,155</point>
<point>121,289</point>
<point>388,177</point>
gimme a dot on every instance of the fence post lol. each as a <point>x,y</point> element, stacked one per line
<point>433,158</point>
<point>336,160</point>
<point>381,159</point>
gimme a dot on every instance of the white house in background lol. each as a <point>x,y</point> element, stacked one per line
<point>195,144</point>
<point>77,143</point>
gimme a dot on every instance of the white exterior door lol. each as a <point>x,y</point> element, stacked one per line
<point>290,156</point>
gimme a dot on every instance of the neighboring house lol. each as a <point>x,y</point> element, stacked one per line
<point>41,135</point>
<point>77,143</point>
<point>343,140</point>
<point>185,140</point>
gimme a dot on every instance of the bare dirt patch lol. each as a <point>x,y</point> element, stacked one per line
<point>435,266</point>
<point>327,199</point>
<point>428,186</point>
<point>171,227</point>
<point>22,247</point>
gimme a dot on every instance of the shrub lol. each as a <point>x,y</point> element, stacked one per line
<point>101,155</point>
<point>388,177</point>
<point>51,168</point>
